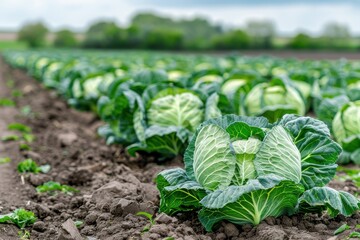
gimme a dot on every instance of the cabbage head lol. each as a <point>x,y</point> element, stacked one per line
<point>346,129</point>
<point>273,100</point>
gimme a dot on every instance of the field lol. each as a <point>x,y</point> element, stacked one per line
<point>12,45</point>
<point>118,129</point>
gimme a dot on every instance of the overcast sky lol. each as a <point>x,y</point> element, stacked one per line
<point>289,16</point>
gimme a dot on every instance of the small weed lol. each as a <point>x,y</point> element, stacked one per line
<point>148,216</point>
<point>20,217</point>
<point>341,229</point>
<point>9,138</point>
<point>5,102</point>
<point>24,235</point>
<point>28,137</point>
<point>24,147</point>
<point>30,166</point>
<point>5,160</point>
<point>52,187</point>
<point>78,223</point>
<point>354,235</point>
<point>19,127</point>
<point>16,93</point>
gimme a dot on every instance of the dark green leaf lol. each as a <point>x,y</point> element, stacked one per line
<point>335,202</point>
<point>177,192</point>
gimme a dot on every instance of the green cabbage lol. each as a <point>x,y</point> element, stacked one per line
<point>346,129</point>
<point>243,169</point>
<point>273,100</point>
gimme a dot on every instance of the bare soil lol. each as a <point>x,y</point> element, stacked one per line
<point>113,186</point>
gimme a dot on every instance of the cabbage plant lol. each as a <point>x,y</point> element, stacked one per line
<point>117,109</point>
<point>168,117</point>
<point>244,169</point>
<point>346,129</point>
<point>237,86</point>
<point>162,119</point>
<point>274,99</point>
<point>119,102</point>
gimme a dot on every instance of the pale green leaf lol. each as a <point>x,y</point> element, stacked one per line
<point>279,155</point>
<point>214,163</point>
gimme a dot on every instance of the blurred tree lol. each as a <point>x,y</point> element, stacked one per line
<point>34,34</point>
<point>261,32</point>
<point>164,39</point>
<point>196,32</point>
<point>105,35</point>
<point>335,35</point>
<point>65,38</point>
<point>148,21</point>
<point>134,37</point>
<point>301,41</point>
<point>235,39</point>
<point>336,31</point>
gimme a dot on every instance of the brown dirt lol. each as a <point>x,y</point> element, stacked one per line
<point>113,186</point>
<point>11,190</point>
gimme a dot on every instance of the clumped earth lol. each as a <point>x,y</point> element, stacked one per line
<point>113,187</point>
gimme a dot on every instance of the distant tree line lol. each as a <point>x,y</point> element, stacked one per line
<point>150,31</point>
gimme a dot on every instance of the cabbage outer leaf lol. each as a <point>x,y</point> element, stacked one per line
<point>324,198</point>
<point>265,196</point>
<point>177,192</point>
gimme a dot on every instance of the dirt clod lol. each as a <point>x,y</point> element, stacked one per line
<point>70,228</point>
<point>38,179</point>
<point>265,232</point>
<point>231,230</point>
<point>320,227</point>
<point>66,139</point>
<point>39,226</point>
<point>42,211</point>
<point>166,219</point>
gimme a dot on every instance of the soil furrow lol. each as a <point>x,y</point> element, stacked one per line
<point>11,195</point>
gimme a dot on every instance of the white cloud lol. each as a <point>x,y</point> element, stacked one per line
<point>78,13</point>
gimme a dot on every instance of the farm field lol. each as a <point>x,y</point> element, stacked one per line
<point>120,128</point>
